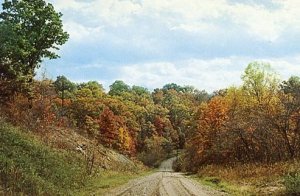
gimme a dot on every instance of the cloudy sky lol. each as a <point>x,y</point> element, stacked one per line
<point>204,43</point>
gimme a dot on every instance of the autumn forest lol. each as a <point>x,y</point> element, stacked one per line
<point>257,122</point>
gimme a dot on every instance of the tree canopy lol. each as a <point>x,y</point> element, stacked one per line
<point>30,31</point>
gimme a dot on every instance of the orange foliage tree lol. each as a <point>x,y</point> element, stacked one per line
<point>113,132</point>
<point>207,144</point>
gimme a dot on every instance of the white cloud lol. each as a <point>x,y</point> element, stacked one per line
<point>203,74</point>
<point>192,16</point>
<point>163,41</point>
<point>70,4</point>
<point>286,67</point>
<point>114,12</point>
<point>211,74</point>
<point>260,22</point>
<point>81,33</point>
<point>89,66</point>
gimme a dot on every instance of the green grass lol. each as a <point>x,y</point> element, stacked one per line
<point>292,183</point>
<point>223,186</point>
<point>107,180</point>
<point>29,167</point>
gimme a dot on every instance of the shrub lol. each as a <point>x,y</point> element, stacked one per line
<point>292,183</point>
<point>178,164</point>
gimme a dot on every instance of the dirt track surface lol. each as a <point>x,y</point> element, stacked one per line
<point>164,183</point>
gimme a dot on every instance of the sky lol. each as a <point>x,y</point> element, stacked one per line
<point>203,43</point>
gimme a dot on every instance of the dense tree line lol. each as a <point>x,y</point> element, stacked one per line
<point>129,119</point>
<point>256,122</point>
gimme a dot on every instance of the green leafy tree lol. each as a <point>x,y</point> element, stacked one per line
<point>118,87</point>
<point>96,88</point>
<point>260,80</point>
<point>292,86</point>
<point>139,90</point>
<point>173,86</point>
<point>64,87</point>
<point>288,119</point>
<point>30,31</point>
<point>84,107</point>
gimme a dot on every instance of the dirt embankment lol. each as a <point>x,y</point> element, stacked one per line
<point>100,156</point>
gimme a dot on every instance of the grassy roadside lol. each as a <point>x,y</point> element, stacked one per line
<point>225,186</point>
<point>252,179</point>
<point>29,167</point>
<point>107,180</point>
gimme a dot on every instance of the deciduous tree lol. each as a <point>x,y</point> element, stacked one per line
<point>30,31</point>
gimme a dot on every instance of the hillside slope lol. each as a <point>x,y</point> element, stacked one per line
<point>29,166</point>
<point>104,158</point>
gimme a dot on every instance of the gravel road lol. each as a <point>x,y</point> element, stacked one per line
<point>165,182</point>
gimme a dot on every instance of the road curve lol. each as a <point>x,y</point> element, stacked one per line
<point>165,182</point>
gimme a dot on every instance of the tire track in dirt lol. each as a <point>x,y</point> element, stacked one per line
<point>163,183</point>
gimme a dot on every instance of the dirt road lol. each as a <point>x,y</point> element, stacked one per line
<point>164,183</point>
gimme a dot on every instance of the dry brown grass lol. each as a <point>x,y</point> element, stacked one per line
<point>255,178</point>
